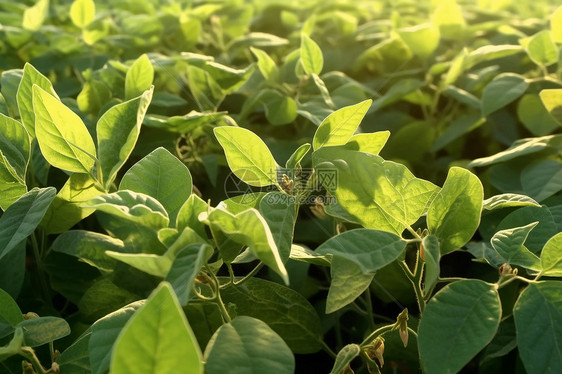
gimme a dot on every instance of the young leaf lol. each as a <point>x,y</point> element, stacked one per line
<point>311,55</point>
<point>509,245</point>
<point>551,257</point>
<point>62,136</point>
<point>248,345</point>
<point>42,330</point>
<point>538,320</point>
<point>156,265</point>
<point>297,156</point>
<point>552,101</point>
<point>344,358</point>
<point>460,320</point>
<point>266,65</point>
<point>541,49</point>
<point>34,16</point>
<point>431,256</point>
<point>162,176</point>
<point>287,312</point>
<point>14,158</point>
<point>13,346</point>
<point>371,143</point>
<point>157,339</point>
<point>422,39</point>
<point>188,213</point>
<point>139,77</point>
<point>338,127</point>
<point>524,216</point>
<point>31,77</point>
<point>454,214</point>
<point>501,91</point>
<point>117,133</point>
<point>82,12</point>
<point>247,155</point>
<point>508,200</point>
<point>556,25</point>
<point>280,213</point>
<point>22,217</point>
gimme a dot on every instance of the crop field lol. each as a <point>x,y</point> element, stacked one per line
<point>280,186</point>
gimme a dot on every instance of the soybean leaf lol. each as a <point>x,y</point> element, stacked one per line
<point>286,311</point>
<point>311,55</point>
<point>266,65</point>
<point>538,320</point>
<point>552,101</point>
<point>13,346</point>
<point>507,200</point>
<point>66,210</point>
<point>280,213</point>
<point>454,214</point>
<point>76,358</point>
<point>162,176</point>
<point>490,52</point>
<point>189,213</point>
<point>541,49</point>
<point>457,128</point>
<point>421,39</point>
<point>15,149</point>
<point>248,345</point>
<point>338,127</point>
<point>132,206</point>
<point>13,270</point>
<point>104,334</point>
<point>89,247</point>
<point>34,16</point>
<point>139,77</point>
<point>551,257</point>
<point>542,179</point>
<point>456,68</point>
<point>529,214</point>
<point>297,156</point>
<point>82,12</point>
<point>117,133</point>
<point>9,310</point>
<point>344,358</point>
<point>42,330</point>
<point>157,338</point>
<point>304,254</point>
<point>556,25</point>
<point>463,97</point>
<point>534,116</point>
<point>431,256</point>
<point>204,88</point>
<point>460,320</point>
<point>104,296</point>
<point>279,108</point>
<point>397,92</point>
<point>501,91</point>
<point>62,136</point>
<point>247,155</point>
<point>371,143</point>
<point>22,217</point>
<point>348,283</point>
<point>510,246</point>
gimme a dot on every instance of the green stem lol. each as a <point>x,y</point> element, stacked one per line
<point>250,274</point>
<point>369,305</point>
<point>415,278</point>
<point>327,349</point>
<point>372,336</point>
<point>30,356</point>
<point>40,269</point>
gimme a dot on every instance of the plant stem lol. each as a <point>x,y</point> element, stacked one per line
<point>369,305</point>
<point>40,270</point>
<point>29,355</point>
<point>415,278</point>
<point>327,349</point>
<point>372,336</point>
<point>250,274</point>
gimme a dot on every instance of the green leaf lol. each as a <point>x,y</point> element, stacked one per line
<point>162,176</point>
<point>542,179</point>
<point>556,25</point>
<point>508,200</point>
<point>509,245</point>
<point>14,157</point>
<point>104,334</point>
<point>397,92</point>
<point>551,257</point>
<point>89,247</point>
<point>76,358</point>
<point>22,217</point>
<point>82,12</point>
<point>311,55</point>
<point>206,91</point>
<point>348,283</point>
<point>552,101</point>
<point>304,254</point>
<point>139,77</point>
<point>13,346</point>
<point>63,138</point>
<point>431,256</point>
<point>490,52</point>
<point>297,156</point>
<point>9,310</point>
<point>132,206</point>
<point>247,345</point>
<point>117,133</point>
<point>279,108</point>
<point>286,311</point>
<point>13,270</point>
<point>338,127</point>
<point>42,330</point>
<point>460,320</point>
<point>541,49</point>
<point>189,213</point>
<point>458,127</point>
<point>502,90</point>
<point>538,320</point>
<point>280,213</point>
<point>463,97</point>
<point>247,155</point>
<point>534,116</point>
<point>157,339</point>
<point>31,77</point>
<point>371,143</point>
<point>454,214</point>
<point>422,39</point>
<point>34,16</point>
<point>456,68</point>
<point>266,65</point>
<point>344,358</point>
<point>448,15</point>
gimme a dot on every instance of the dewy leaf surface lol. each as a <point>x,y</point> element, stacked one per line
<point>247,155</point>
<point>157,339</point>
<point>248,345</point>
<point>63,138</point>
<point>460,320</point>
<point>454,214</point>
<point>538,320</point>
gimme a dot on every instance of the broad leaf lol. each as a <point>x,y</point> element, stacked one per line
<point>454,214</point>
<point>82,12</point>
<point>524,216</point>
<point>552,101</point>
<point>501,91</point>
<point>42,330</point>
<point>9,310</point>
<point>139,77</point>
<point>13,346</point>
<point>551,257</point>
<point>431,257</point>
<point>22,217</point>
<point>117,133</point>
<point>338,127</point>
<point>247,155</point>
<point>368,143</point>
<point>297,156</point>
<point>189,213</point>
<point>34,16</point>
<point>348,283</point>
<point>15,149</point>
<point>556,25</point>
<point>542,179</point>
<point>344,358</point>
<point>287,312</point>
<point>266,65</point>
<point>421,39</point>
<point>510,246</point>
<point>534,115</point>
<point>508,200</point>
<point>280,213</point>
<point>311,55</point>
<point>157,339</point>
<point>76,358</point>
<point>538,320</point>
<point>460,320</point>
<point>541,49</point>
<point>62,136</point>
<point>162,176</point>
<point>248,345</point>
